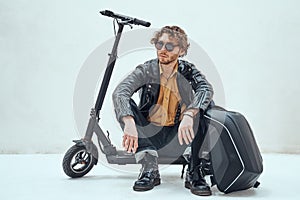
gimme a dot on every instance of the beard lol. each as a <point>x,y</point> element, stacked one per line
<point>167,59</point>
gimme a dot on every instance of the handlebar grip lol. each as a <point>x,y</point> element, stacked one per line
<point>141,22</point>
<point>107,13</point>
<point>130,20</point>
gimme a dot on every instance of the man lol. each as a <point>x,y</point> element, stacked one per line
<point>173,97</point>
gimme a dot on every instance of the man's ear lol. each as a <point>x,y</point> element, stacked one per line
<point>181,53</point>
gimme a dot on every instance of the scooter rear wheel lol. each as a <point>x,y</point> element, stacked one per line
<point>77,162</point>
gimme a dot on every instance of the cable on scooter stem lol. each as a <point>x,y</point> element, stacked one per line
<point>129,20</point>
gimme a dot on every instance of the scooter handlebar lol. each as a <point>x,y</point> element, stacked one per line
<point>128,19</point>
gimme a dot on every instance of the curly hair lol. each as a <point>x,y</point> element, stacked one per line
<point>174,32</point>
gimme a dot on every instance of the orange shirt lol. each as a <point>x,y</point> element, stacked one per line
<point>164,111</point>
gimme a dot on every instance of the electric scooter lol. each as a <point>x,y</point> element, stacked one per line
<point>83,155</point>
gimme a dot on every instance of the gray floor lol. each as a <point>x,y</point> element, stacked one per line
<point>41,177</point>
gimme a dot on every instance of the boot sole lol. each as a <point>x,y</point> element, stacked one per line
<point>204,193</point>
<point>143,188</point>
<point>199,193</point>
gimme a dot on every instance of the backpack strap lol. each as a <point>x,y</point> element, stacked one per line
<point>213,181</point>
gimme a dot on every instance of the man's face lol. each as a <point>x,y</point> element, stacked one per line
<point>166,43</point>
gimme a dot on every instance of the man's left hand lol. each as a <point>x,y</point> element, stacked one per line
<point>185,130</point>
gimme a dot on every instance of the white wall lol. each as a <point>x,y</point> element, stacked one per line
<point>254,45</point>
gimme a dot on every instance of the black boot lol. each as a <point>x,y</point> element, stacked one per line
<point>188,179</point>
<point>149,176</point>
<point>196,182</point>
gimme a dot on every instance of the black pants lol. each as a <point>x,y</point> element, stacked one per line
<point>164,140</point>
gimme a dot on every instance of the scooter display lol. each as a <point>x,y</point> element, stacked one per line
<point>83,155</point>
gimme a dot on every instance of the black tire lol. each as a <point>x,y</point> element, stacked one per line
<point>77,162</point>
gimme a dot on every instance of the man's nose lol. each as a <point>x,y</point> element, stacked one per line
<point>163,48</point>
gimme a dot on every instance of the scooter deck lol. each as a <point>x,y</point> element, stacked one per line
<point>123,158</point>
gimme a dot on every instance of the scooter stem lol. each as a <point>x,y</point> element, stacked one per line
<point>108,71</point>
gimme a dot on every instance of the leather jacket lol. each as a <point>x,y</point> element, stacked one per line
<point>194,89</point>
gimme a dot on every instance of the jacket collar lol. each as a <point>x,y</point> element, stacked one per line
<point>175,70</point>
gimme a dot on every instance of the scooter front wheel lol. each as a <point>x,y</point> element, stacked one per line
<point>77,162</point>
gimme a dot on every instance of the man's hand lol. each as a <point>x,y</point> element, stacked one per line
<point>185,130</point>
<point>130,137</point>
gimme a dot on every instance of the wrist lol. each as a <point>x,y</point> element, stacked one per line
<point>128,119</point>
<point>193,112</point>
<point>188,114</point>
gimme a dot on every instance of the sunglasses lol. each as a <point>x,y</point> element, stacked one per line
<point>169,46</point>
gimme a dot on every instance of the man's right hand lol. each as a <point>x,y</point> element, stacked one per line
<point>130,137</point>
